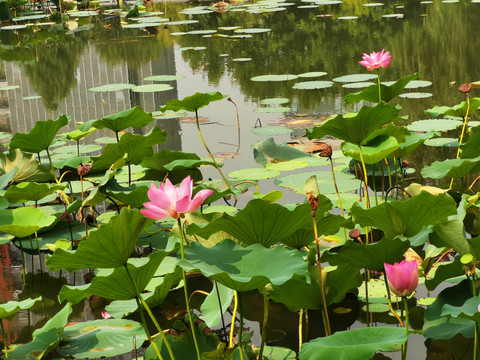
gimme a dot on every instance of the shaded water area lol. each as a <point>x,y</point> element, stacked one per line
<point>55,67</point>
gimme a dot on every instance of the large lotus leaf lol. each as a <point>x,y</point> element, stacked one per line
<point>24,221</point>
<point>183,345</point>
<point>245,269</point>
<point>444,272</point>
<point>354,344</point>
<point>116,285</point>
<point>370,256</point>
<point>406,218</point>
<point>329,225</point>
<point>210,309</point>
<point>7,178</point>
<point>459,110</point>
<point>450,234</point>
<point>79,134</point>
<point>387,92</point>
<point>451,168</point>
<point>134,196</point>
<point>470,149</point>
<point>261,222</point>
<point>468,310</point>
<point>70,162</point>
<point>135,147</point>
<point>440,327</point>
<point>296,294</point>
<point>134,117</point>
<point>373,152</point>
<point>192,103</point>
<point>28,168</point>
<point>29,191</point>
<point>40,137</point>
<point>157,161</point>
<point>108,247</point>
<point>412,141</point>
<point>268,151</point>
<point>99,338</point>
<point>356,128</point>
<point>45,339</point>
<point>10,308</point>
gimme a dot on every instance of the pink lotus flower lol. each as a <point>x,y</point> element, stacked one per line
<point>173,201</point>
<point>403,277</point>
<point>376,60</point>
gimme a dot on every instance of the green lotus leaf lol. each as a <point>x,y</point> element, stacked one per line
<point>442,142</point>
<point>7,178</point>
<point>10,308</point>
<point>313,85</point>
<point>29,168</point>
<point>183,345</point>
<point>355,78</point>
<point>152,88</point>
<point>108,247</point>
<point>116,285</point>
<point>210,306</point>
<point>445,271</point>
<point>451,168</point>
<point>29,191</point>
<point>71,162</point>
<point>354,344</point>
<point>135,147</point>
<point>406,218</point>
<point>435,125</point>
<point>440,327</point>
<point>296,294</point>
<point>40,137</point>
<point>373,152</point>
<point>245,269</point>
<point>370,256</point>
<point>164,77</point>
<point>283,77</point>
<point>358,85</point>
<point>112,87</point>
<point>181,22</point>
<point>267,150</point>
<point>69,150</point>
<point>287,165</point>
<point>24,221</point>
<point>377,292</point>
<point>312,74</point>
<point>274,101</point>
<point>45,339</point>
<point>468,310</point>
<point>192,103</point>
<point>99,338</point>
<point>261,222</point>
<point>183,164</point>
<point>387,92</point>
<point>358,128</point>
<point>450,234</point>
<point>134,117</point>
<point>79,134</point>
<point>470,149</point>
<point>157,161</point>
<point>459,110</point>
<point>416,95</point>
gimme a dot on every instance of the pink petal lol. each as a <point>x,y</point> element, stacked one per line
<point>182,205</point>
<point>204,194</point>
<point>159,197</point>
<point>155,215</point>
<point>185,188</point>
<point>195,204</point>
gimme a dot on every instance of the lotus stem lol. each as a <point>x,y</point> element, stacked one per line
<point>300,329</point>
<point>390,301</point>
<point>39,253</point>
<point>23,264</point>
<point>465,122</point>
<point>405,303</point>
<point>322,288</point>
<point>240,329</point>
<point>379,89</point>
<point>142,317</point>
<point>367,303</point>
<point>238,121</point>
<point>374,184</point>
<point>338,195</point>
<point>365,180</point>
<point>224,328</point>
<point>389,174</point>
<point>264,325</point>
<point>213,158</point>
<point>4,339</point>
<point>185,290</point>
<point>234,316</point>
<point>247,182</point>
<point>475,342</point>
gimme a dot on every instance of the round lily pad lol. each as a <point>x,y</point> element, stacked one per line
<point>274,101</point>
<point>271,130</point>
<point>196,48</point>
<point>252,31</point>
<point>307,6</point>
<point>272,110</point>
<point>355,78</point>
<point>28,98</point>
<point>242,59</point>
<point>72,149</point>
<point>178,33</point>
<point>168,115</point>
<point>416,95</point>
<point>434,124</point>
<point>201,32</point>
<point>447,142</point>
<point>312,85</point>
<point>287,165</point>
<point>347,18</point>
<point>31,17</point>
<point>312,74</point>
<point>228,28</point>
<point>106,140</point>
<point>140,25</point>
<point>357,85</point>
<point>414,84</point>
<point>243,36</point>
<point>182,22</point>
<point>284,77</point>
<point>82,13</point>
<point>196,12</point>
<point>9,87</point>
<point>111,87</point>
<point>13,27</point>
<point>164,78</point>
<point>373,4</point>
<point>152,88</point>
<point>152,19</point>
<point>253,174</point>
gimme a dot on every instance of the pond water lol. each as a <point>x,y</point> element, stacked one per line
<point>55,66</point>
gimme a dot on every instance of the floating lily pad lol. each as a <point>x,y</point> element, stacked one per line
<point>307,6</point>
<point>242,59</point>
<point>28,98</point>
<point>274,101</point>
<point>296,182</point>
<point>141,25</point>
<point>357,85</point>
<point>252,31</point>
<point>178,33</point>
<point>201,32</point>
<point>447,142</point>
<point>287,165</point>
<point>434,124</point>
<point>414,84</point>
<point>9,87</point>
<point>416,95</point>
<point>244,36</point>
<point>164,77</point>
<point>312,74</point>
<point>355,78</point>
<point>272,110</point>
<point>271,130</point>
<point>82,13</point>
<point>196,12</point>
<point>254,174</point>
<point>181,22</point>
<point>347,18</point>
<point>13,27</point>
<point>285,77</point>
<point>111,87</point>
<point>152,19</point>
<point>312,85</point>
<point>397,16</point>
<point>31,17</point>
<point>228,28</point>
<point>373,4</point>
<point>196,48</point>
<point>152,88</point>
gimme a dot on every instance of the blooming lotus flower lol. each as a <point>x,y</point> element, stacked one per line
<point>403,277</point>
<point>173,201</point>
<point>376,60</point>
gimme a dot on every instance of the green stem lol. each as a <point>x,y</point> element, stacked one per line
<point>192,325</point>
<point>338,195</point>
<point>367,302</point>
<point>374,184</point>
<point>212,157</point>
<point>234,317</point>
<point>465,122</point>
<point>264,325</point>
<point>149,337</point>
<point>390,301</point>
<point>389,174</point>
<point>365,180</point>
<point>240,329</point>
<point>4,339</point>
<point>379,91</point>
<point>405,305</point>
<point>300,330</point>
<point>24,267</point>
<point>39,253</point>
<point>322,288</point>
<point>475,343</point>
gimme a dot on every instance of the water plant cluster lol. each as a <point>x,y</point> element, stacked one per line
<point>376,244</point>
